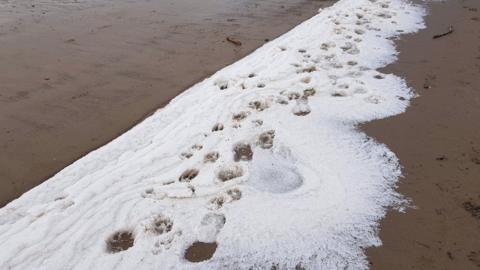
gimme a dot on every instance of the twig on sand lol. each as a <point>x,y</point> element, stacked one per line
<point>450,30</point>
<point>233,41</point>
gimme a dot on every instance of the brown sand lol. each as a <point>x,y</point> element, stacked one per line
<point>438,143</point>
<point>200,251</point>
<point>76,74</point>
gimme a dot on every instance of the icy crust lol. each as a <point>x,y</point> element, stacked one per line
<point>262,158</point>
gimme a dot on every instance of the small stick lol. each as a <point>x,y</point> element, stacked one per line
<point>235,42</point>
<point>450,30</point>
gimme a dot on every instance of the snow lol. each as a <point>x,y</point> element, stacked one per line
<point>309,190</point>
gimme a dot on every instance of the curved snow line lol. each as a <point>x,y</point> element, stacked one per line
<point>284,178</point>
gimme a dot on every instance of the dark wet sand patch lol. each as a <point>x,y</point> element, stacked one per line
<point>120,241</point>
<point>200,251</point>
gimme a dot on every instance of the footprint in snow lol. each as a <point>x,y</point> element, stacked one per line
<point>120,241</point>
<point>291,95</point>
<point>211,157</point>
<point>257,122</point>
<point>301,108</point>
<point>259,105</point>
<point>160,224</point>
<point>221,84</point>
<point>204,248</point>
<point>242,152</point>
<point>265,140</point>
<point>189,153</point>
<point>240,116</point>
<point>274,172</point>
<point>217,127</point>
<point>188,175</point>
<point>229,196</point>
<point>229,172</point>
<point>309,69</point>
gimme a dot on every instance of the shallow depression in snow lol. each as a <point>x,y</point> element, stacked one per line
<point>274,172</point>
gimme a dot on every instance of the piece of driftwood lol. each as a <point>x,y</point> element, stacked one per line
<point>234,41</point>
<point>450,30</point>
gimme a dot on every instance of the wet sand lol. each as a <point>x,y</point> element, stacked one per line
<point>438,143</point>
<point>76,74</point>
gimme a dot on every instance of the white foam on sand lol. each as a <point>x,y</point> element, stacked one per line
<point>310,193</point>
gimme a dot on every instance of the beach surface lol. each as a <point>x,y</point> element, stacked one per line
<point>77,74</point>
<point>178,187</point>
<point>438,143</point>
<point>268,146</point>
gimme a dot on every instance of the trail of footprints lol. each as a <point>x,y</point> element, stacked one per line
<point>243,151</point>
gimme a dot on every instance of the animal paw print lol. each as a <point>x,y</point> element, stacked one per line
<point>211,157</point>
<point>188,175</point>
<point>229,196</point>
<point>227,173</point>
<point>265,140</point>
<point>242,152</point>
